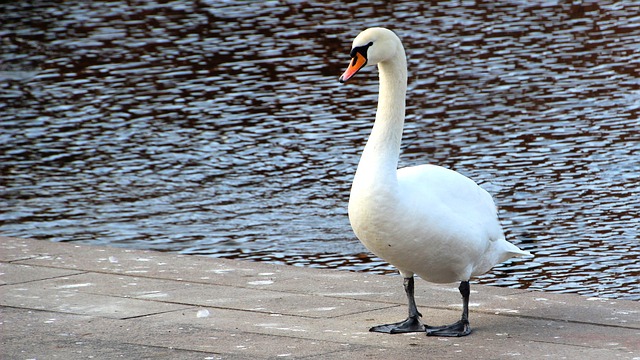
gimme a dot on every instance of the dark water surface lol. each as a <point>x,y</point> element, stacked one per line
<point>219,127</point>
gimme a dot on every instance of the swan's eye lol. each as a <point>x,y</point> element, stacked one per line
<point>361,49</point>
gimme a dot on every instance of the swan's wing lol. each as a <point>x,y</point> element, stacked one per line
<point>453,200</point>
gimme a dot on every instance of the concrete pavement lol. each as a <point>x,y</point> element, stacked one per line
<point>67,301</point>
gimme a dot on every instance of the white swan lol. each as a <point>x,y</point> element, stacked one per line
<point>424,220</point>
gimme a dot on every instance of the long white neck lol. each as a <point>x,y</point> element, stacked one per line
<point>379,161</point>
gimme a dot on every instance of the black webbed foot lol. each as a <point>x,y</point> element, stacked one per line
<point>411,324</point>
<point>460,328</point>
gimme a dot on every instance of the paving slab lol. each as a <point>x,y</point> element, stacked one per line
<point>48,296</point>
<point>30,334</point>
<point>16,273</point>
<point>73,301</point>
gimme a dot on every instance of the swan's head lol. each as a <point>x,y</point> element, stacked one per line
<point>371,47</point>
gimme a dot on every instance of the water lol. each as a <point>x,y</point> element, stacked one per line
<point>219,127</point>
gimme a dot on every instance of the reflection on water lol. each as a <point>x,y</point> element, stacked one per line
<point>219,127</point>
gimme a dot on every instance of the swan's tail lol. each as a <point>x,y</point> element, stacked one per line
<point>516,251</point>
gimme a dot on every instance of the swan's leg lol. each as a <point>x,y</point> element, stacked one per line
<point>460,328</point>
<point>412,323</point>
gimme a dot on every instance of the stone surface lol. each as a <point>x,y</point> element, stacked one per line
<point>75,302</point>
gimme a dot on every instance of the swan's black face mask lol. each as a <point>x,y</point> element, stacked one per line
<point>358,61</point>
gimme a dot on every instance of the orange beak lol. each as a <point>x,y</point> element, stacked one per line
<point>357,63</point>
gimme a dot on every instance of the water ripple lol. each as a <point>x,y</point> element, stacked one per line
<point>218,127</point>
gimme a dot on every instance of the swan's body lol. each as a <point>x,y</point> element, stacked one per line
<point>433,222</point>
<point>424,220</point>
